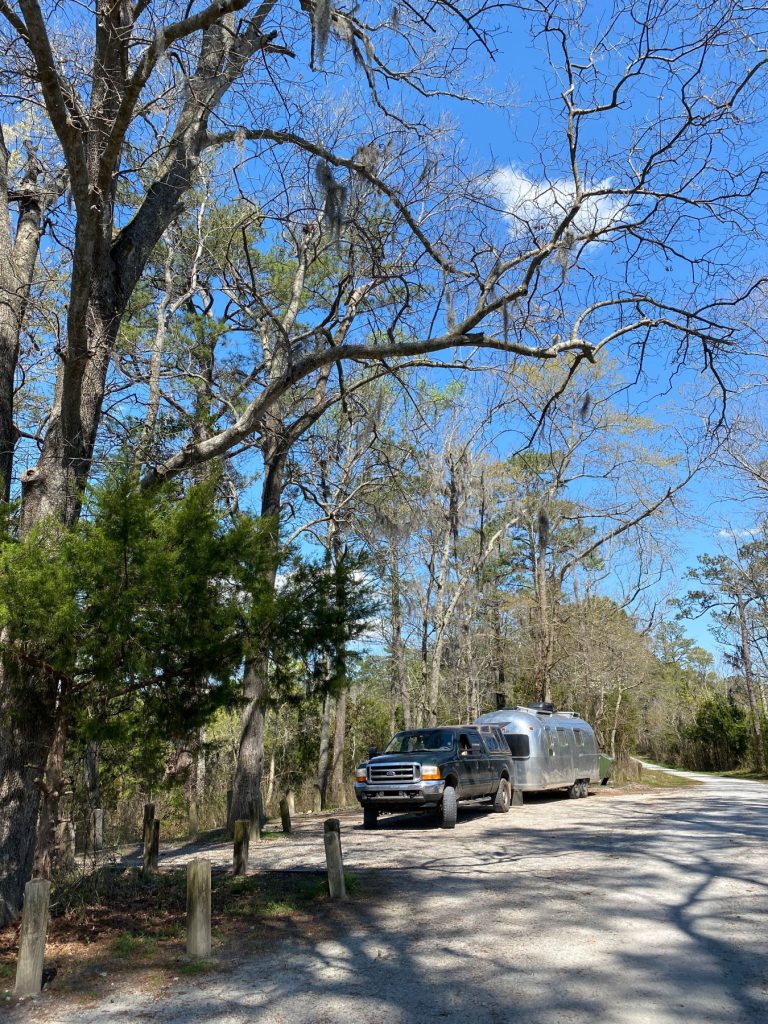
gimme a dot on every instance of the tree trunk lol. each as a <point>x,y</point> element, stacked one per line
<point>26,730</point>
<point>271,779</point>
<point>321,782</point>
<point>52,785</point>
<point>399,672</point>
<point>95,837</point>
<point>250,758</point>
<point>542,667</point>
<point>339,739</point>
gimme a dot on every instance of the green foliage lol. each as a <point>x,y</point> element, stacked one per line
<point>141,615</point>
<point>717,739</point>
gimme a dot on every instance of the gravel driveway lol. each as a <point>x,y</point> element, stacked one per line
<point>645,908</point>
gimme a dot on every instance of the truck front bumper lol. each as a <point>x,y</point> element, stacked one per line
<point>399,798</point>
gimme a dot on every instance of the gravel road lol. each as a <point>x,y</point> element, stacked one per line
<point>645,908</point>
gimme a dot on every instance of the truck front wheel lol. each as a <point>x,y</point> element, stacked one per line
<point>448,808</point>
<point>370,817</point>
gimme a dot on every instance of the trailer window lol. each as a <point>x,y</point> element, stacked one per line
<point>578,735</point>
<point>519,744</point>
<point>550,741</point>
<point>563,737</point>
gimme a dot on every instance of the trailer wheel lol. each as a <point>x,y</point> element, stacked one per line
<point>503,798</point>
<point>370,817</point>
<point>584,787</point>
<point>448,808</point>
<point>574,791</point>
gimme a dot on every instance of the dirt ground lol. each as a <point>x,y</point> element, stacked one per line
<point>639,908</point>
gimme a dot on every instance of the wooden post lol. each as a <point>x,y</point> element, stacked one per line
<point>332,838</point>
<point>240,851</point>
<point>290,796</point>
<point>199,908</point>
<point>254,817</point>
<point>146,832</point>
<point>285,815</point>
<point>152,848</point>
<point>34,931</point>
<point>517,797</point>
<point>229,808</point>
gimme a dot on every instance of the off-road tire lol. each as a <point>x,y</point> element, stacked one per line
<point>503,799</point>
<point>370,817</point>
<point>449,808</point>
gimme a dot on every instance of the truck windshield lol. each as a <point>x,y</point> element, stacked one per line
<point>421,739</point>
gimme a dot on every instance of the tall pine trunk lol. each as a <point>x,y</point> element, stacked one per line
<point>246,787</point>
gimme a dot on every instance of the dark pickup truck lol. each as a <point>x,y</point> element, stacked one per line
<point>432,769</point>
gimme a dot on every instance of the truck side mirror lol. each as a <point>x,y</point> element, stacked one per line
<point>372,751</point>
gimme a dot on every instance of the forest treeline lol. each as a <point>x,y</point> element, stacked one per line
<point>311,426</point>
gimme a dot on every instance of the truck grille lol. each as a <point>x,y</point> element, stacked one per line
<point>393,773</point>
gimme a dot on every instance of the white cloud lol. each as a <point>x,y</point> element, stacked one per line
<point>539,206</point>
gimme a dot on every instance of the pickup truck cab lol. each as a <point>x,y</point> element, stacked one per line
<point>432,769</point>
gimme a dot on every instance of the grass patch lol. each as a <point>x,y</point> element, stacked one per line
<point>664,780</point>
<point>122,923</point>
<point>128,946</point>
<point>191,968</point>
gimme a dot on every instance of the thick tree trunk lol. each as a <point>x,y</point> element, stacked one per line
<point>246,787</point>
<point>26,730</point>
<point>52,786</point>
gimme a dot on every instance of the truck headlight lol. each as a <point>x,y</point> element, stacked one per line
<point>360,775</point>
<point>430,771</point>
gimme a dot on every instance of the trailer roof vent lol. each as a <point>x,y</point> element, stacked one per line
<point>543,707</point>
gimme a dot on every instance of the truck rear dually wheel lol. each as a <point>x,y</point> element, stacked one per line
<point>503,798</point>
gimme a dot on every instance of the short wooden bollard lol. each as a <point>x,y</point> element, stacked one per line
<point>332,838</point>
<point>152,848</point>
<point>199,908</point>
<point>285,815</point>
<point>254,817</point>
<point>34,931</point>
<point>517,798</point>
<point>240,850</point>
<point>290,796</point>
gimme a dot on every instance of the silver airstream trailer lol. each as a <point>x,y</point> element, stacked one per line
<point>551,750</point>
